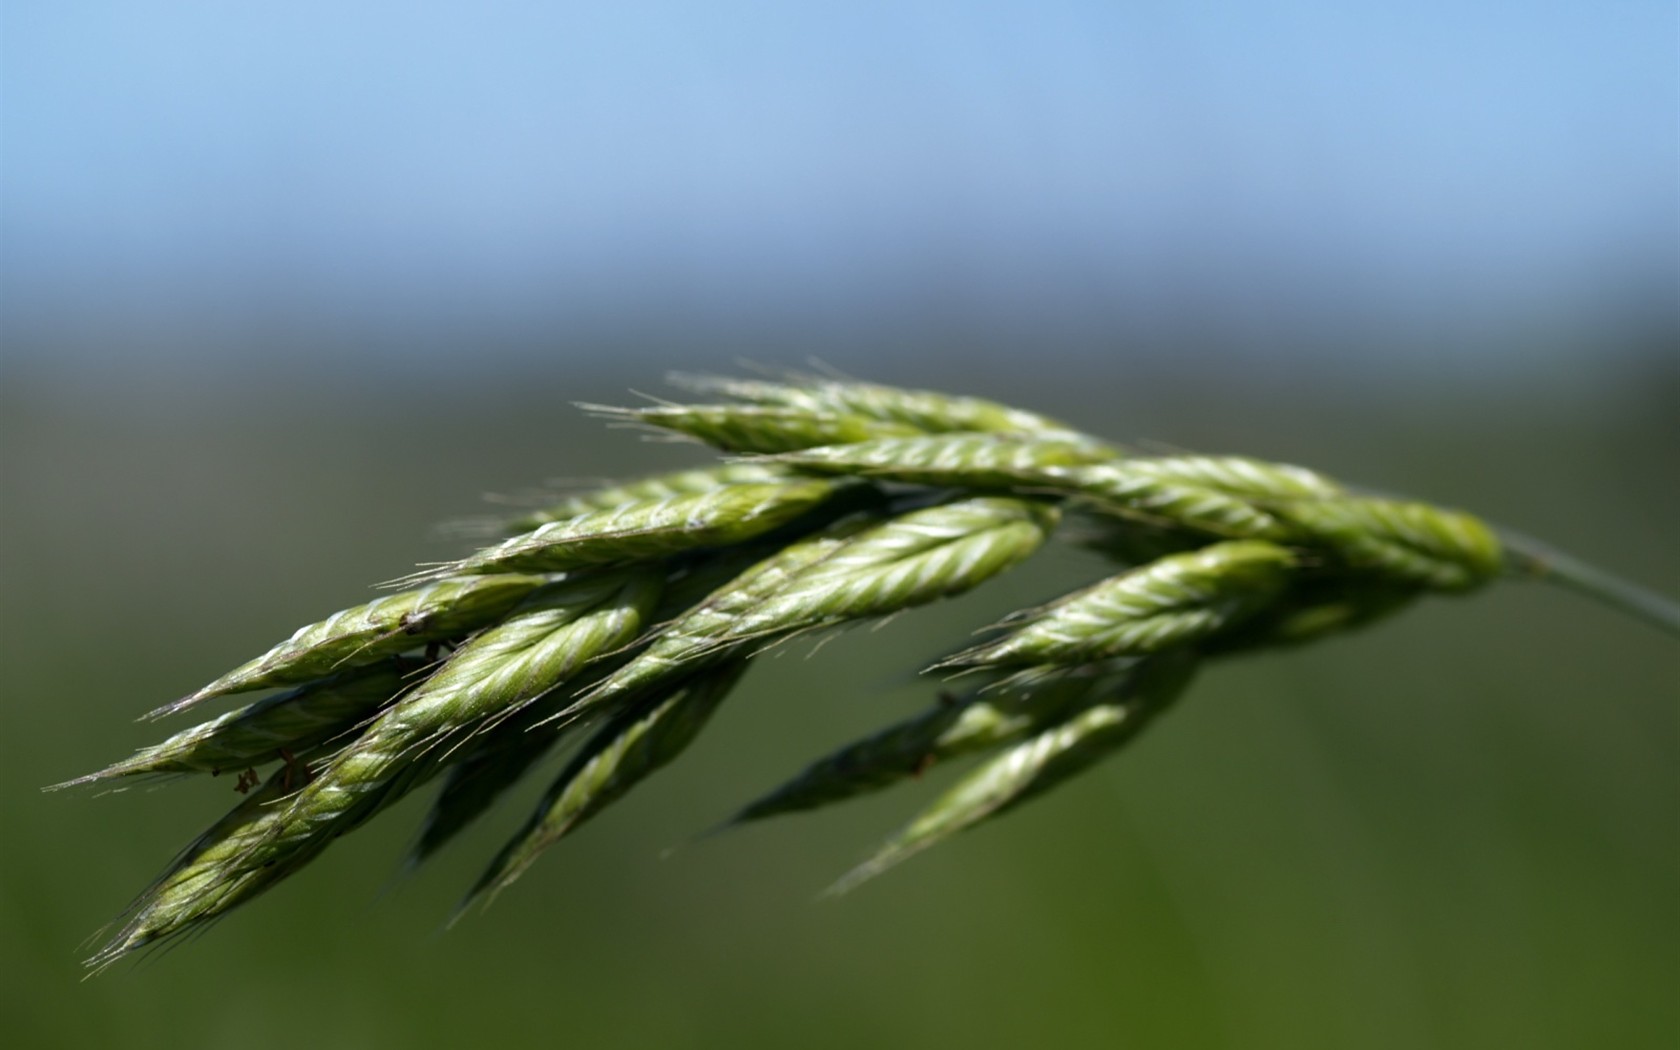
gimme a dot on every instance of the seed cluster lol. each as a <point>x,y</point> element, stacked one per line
<point>620,619</point>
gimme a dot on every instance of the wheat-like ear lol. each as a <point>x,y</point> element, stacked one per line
<point>634,608</point>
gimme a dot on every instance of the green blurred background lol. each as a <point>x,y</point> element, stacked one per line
<point>283,287</point>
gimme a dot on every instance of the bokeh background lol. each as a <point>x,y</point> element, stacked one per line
<point>287,285</point>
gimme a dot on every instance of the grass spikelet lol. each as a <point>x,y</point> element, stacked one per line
<point>918,557</point>
<point>366,633</point>
<point>1037,764</point>
<point>648,529</point>
<point>630,747</point>
<point>759,428</point>
<point>1441,549</point>
<point>196,887</point>
<point>1254,479</point>
<point>1171,602</point>
<point>978,461</point>
<point>290,723</point>
<point>1223,496</point>
<point>658,486</point>
<point>704,633</point>
<point>633,608</point>
<point>850,573</point>
<point>925,410</point>
<point>551,637</point>
<point>953,727</point>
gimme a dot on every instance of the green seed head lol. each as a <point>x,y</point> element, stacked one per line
<point>632,610</point>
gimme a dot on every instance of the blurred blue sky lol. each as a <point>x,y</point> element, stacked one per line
<point>1429,169</point>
